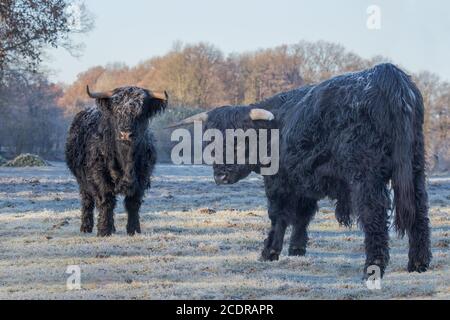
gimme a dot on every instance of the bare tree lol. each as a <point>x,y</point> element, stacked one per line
<point>31,120</point>
<point>29,26</point>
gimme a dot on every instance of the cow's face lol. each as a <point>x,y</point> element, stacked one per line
<point>234,118</point>
<point>230,118</point>
<point>128,111</point>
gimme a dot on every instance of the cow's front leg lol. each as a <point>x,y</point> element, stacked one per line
<point>105,205</point>
<point>299,237</point>
<point>132,206</point>
<point>274,242</point>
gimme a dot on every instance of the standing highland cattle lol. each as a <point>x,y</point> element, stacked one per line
<point>344,138</point>
<point>110,151</point>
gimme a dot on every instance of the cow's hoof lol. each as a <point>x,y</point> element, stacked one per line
<point>270,255</point>
<point>418,267</point>
<point>133,229</point>
<point>419,261</point>
<point>133,233</point>
<point>86,229</point>
<point>104,233</point>
<point>297,252</point>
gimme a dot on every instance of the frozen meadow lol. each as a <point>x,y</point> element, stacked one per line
<point>199,241</point>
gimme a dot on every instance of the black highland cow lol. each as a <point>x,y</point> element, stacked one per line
<point>345,138</point>
<point>110,151</point>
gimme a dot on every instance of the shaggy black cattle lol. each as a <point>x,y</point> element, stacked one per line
<point>110,151</point>
<point>345,138</point>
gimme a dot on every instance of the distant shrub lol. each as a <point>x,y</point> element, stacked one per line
<point>27,160</point>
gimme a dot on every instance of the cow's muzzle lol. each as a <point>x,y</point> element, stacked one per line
<point>125,136</point>
<point>221,179</point>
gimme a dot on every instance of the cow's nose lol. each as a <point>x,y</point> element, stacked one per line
<point>221,179</point>
<point>126,135</point>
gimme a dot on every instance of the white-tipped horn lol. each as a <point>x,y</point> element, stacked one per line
<point>261,114</point>
<point>201,117</point>
<point>99,95</point>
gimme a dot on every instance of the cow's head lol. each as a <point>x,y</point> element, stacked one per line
<point>232,117</point>
<point>128,111</point>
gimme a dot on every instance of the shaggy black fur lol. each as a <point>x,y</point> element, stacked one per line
<point>105,164</point>
<point>345,138</point>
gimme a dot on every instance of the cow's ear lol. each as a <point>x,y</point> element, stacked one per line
<point>104,105</point>
<point>156,103</point>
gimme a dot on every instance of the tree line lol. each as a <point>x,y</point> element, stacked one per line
<point>200,76</point>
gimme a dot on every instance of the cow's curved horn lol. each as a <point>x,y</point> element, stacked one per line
<point>201,117</point>
<point>261,114</point>
<point>99,95</point>
<point>160,95</point>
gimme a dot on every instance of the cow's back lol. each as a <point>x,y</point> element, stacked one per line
<point>336,129</point>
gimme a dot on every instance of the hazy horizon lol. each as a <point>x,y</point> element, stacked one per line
<point>413,34</point>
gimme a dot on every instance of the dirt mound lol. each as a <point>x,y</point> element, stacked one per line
<point>27,160</point>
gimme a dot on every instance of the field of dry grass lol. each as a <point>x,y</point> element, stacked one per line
<point>187,252</point>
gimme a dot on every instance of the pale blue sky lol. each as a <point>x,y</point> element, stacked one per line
<point>414,33</point>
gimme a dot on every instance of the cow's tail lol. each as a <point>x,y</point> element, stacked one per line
<point>404,112</point>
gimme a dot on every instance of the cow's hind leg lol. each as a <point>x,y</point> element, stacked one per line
<point>299,238</point>
<point>105,205</point>
<point>87,212</point>
<point>371,203</point>
<point>419,234</point>
<point>132,206</point>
